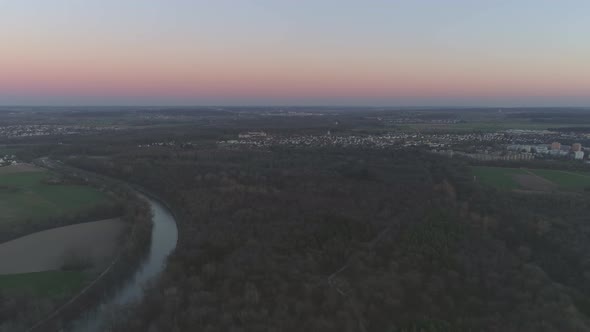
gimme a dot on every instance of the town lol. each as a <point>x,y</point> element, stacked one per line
<point>49,130</point>
<point>501,145</point>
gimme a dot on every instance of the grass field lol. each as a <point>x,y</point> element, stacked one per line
<point>501,178</point>
<point>517,178</point>
<point>565,179</point>
<point>26,195</point>
<point>49,283</point>
<point>92,243</point>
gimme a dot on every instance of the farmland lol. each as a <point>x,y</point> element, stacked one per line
<point>531,179</point>
<point>501,178</point>
<point>34,199</point>
<point>565,179</point>
<point>44,284</point>
<point>28,195</point>
<point>93,243</point>
<point>37,263</point>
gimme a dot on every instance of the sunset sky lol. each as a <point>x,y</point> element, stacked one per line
<point>295,52</point>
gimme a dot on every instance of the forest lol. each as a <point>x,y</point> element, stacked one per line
<point>354,240</point>
<point>335,238</point>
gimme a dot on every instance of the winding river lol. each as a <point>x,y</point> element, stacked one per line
<point>164,238</point>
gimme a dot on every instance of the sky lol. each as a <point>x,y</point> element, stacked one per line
<point>295,52</point>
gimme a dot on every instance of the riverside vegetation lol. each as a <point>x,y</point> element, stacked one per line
<point>30,299</point>
<point>337,240</point>
<point>334,238</point>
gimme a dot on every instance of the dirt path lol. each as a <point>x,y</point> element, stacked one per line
<point>19,168</point>
<point>42,251</point>
<point>532,181</point>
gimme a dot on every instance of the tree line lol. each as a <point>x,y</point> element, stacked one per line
<point>345,239</point>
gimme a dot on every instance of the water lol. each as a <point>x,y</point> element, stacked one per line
<point>164,238</point>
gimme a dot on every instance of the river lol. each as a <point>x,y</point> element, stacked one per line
<point>164,238</point>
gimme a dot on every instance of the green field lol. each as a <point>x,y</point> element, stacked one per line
<point>48,283</point>
<point>503,178</point>
<point>26,195</point>
<point>565,179</point>
<point>498,177</point>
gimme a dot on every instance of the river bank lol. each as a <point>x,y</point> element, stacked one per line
<point>137,247</point>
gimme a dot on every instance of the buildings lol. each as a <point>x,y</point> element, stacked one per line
<point>541,149</point>
<point>253,134</point>
<point>520,148</point>
<point>7,160</point>
<point>554,150</point>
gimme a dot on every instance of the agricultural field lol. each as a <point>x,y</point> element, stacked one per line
<point>44,284</point>
<point>56,262</point>
<point>565,179</point>
<point>531,179</point>
<point>88,245</point>
<point>20,168</point>
<point>60,261</point>
<point>501,178</point>
<point>26,193</point>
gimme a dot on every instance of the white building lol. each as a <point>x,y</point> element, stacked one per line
<point>579,155</point>
<point>519,148</point>
<point>253,134</point>
<point>541,149</point>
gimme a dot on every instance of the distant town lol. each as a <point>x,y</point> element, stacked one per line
<point>18,131</point>
<point>502,145</point>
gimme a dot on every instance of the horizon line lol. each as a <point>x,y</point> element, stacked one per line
<point>291,106</point>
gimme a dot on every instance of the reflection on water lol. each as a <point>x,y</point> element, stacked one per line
<point>164,237</point>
